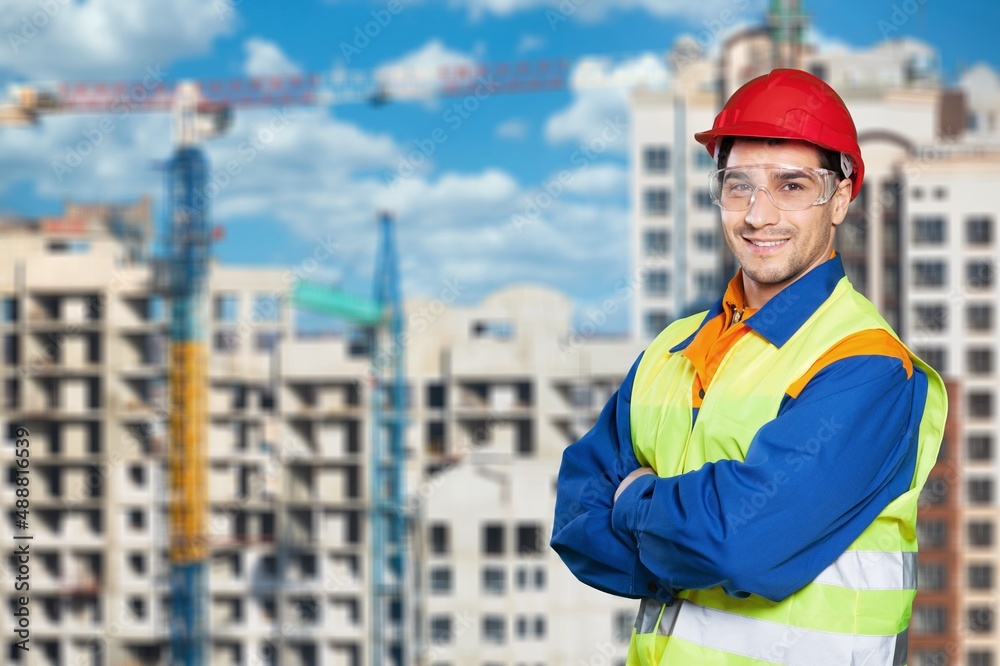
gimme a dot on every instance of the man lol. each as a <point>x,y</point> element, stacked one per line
<point>755,478</point>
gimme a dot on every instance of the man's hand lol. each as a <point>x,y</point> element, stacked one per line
<point>635,474</point>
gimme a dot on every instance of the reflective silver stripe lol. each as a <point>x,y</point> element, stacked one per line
<point>768,641</point>
<point>649,611</point>
<point>872,570</point>
<point>902,648</point>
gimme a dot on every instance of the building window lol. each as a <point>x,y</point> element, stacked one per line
<point>540,627</point>
<point>932,576</point>
<point>441,629</point>
<point>494,580</point>
<point>656,321</point>
<point>492,539</point>
<point>436,395</point>
<point>266,307</point>
<point>979,274</point>
<point>439,538</point>
<point>936,357</point>
<point>522,626</point>
<point>931,533</point>
<point>980,619</point>
<point>979,317</point>
<point>929,273</point>
<point>656,159</point>
<point>529,539</point>
<point>702,160</point>
<point>267,340</point>
<point>137,519</point>
<point>980,658</point>
<point>979,230</point>
<point>929,620</point>
<point>928,230</point>
<point>656,242</point>
<point>8,310</point>
<point>226,308</point>
<point>928,658</point>
<point>979,447</point>
<point>980,533</point>
<point>226,342</point>
<point>656,283</point>
<point>703,199</point>
<point>521,578</point>
<point>656,201</point>
<point>706,283</point>
<point>979,361</point>
<point>621,626</point>
<point>980,404</point>
<point>494,629</point>
<point>540,578</point>
<point>980,491</point>
<point>932,317</point>
<point>440,580</point>
<point>706,241</point>
<point>981,576</point>
<point>940,193</point>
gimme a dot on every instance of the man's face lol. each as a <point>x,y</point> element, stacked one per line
<point>776,247</point>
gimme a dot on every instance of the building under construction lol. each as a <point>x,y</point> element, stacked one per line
<point>495,393</point>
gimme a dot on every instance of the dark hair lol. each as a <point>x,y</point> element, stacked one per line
<point>828,159</point>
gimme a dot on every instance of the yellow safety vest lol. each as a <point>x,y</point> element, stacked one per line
<point>857,610</point>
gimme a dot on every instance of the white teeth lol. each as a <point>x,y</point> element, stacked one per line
<point>767,243</point>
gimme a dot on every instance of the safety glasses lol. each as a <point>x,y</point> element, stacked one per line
<point>788,187</point>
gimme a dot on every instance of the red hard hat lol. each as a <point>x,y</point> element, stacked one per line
<point>789,104</point>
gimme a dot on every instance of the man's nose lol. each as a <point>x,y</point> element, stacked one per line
<point>762,210</point>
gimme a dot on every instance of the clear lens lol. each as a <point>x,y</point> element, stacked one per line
<point>788,187</point>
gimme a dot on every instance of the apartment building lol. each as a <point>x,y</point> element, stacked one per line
<point>495,393</point>
<point>84,338</point>
<point>506,386</point>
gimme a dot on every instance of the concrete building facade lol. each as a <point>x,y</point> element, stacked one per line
<point>495,393</point>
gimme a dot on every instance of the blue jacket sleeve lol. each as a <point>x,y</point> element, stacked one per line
<point>589,475</point>
<point>814,478</point>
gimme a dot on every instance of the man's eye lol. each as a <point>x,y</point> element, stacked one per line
<point>738,188</point>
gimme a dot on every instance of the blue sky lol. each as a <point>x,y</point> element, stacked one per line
<point>324,175</point>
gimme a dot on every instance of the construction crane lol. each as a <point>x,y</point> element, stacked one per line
<point>202,110</point>
<point>389,519</point>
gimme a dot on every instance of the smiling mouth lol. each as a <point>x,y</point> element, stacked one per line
<point>763,243</point>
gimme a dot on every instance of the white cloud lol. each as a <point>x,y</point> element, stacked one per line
<point>265,58</point>
<point>530,43</point>
<point>825,43</point>
<point>601,88</point>
<point>558,11</point>
<point>600,180</point>
<point>422,73</point>
<point>515,128</point>
<point>105,38</point>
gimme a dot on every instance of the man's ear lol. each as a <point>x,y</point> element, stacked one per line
<point>842,200</point>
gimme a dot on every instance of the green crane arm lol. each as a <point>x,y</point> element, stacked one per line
<point>326,300</point>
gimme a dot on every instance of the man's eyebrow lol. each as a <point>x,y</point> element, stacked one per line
<point>737,173</point>
<point>790,174</point>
